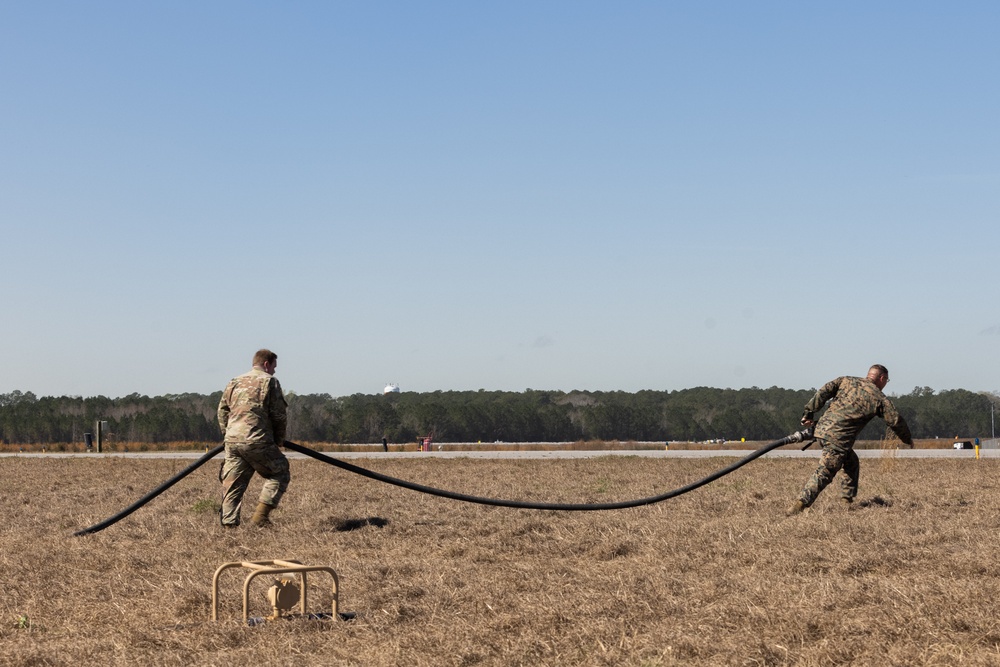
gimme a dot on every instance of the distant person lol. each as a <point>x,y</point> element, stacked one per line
<point>253,418</point>
<point>853,403</point>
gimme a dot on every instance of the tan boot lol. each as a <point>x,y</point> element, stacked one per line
<point>796,508</point>
<point>847,503</point>
<point>261,514</point>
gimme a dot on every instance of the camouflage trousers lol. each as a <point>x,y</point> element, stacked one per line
<point>832,461</point>
<point>242,461</point>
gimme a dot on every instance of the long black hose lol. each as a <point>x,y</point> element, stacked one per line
<point>798,436</point>
<point>152,494</point>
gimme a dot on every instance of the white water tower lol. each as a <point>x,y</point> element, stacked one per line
<point>391,389</point>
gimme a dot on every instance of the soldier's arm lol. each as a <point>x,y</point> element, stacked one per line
<point>816,403</point>
<point>898,425</point>
<point>277,411</point>
<point>223,412</point>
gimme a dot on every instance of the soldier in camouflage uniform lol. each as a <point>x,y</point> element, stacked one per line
<point>853,403</point>
<point>252,417</point>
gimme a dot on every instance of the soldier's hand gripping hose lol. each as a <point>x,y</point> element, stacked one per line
<point>810,425</point>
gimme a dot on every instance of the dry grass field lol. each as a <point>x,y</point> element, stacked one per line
<point>716,577</point>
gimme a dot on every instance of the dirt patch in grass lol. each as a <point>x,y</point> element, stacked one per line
<point>716,577</point>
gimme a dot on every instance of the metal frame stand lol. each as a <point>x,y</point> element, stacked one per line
<point>263,567</point>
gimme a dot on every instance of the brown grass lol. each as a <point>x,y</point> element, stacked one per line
<point>716,577</point>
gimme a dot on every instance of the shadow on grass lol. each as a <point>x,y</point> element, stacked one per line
<point>358,524</point>
<point>877,501</point>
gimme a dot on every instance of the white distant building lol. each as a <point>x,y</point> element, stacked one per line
<point>391,389</point>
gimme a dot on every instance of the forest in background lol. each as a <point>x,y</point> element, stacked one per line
<point>697,414</point>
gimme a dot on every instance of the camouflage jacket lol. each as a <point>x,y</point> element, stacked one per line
<point>252,409</point>
<point>853,403</point>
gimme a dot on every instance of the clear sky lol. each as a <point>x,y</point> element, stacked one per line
<point>508,195</point>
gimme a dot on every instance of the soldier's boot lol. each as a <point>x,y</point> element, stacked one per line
<point>261,514</point>
<point>796,508</point>
<point>847,503</point>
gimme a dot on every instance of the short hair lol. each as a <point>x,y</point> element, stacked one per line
<point>879,369</point>
<point>264,355</point>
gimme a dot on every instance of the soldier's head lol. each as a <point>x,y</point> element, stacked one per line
<point>266,359</point>
<point>879,374</point>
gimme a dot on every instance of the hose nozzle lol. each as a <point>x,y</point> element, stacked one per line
<point>806,436</point>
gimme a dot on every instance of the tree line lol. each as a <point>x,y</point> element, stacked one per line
<point>697,414</point>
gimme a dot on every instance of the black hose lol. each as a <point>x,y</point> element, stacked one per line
<point>152,494</point>
<point>798,436</point>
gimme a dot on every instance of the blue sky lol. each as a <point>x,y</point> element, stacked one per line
<point>456,195</point>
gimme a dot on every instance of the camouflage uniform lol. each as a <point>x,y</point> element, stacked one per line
<point>252,416</point>
<point>853,403</point>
